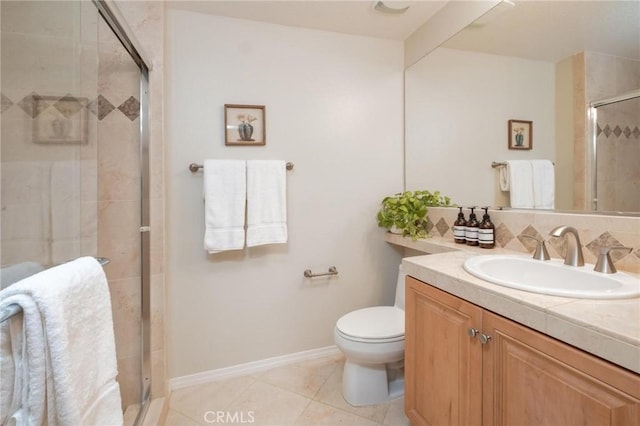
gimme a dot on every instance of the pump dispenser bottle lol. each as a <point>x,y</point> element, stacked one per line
<point>471,230</point>
<point>486,231</point>
<point>459,228</point>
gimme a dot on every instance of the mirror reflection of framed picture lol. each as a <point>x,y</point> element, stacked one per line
<point>62,120</point>
<point>520,134</point>
<point>244,125</point>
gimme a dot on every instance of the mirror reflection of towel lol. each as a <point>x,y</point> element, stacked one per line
<point>531,183</point>
<point>543,184</point>
<point>520,184</point>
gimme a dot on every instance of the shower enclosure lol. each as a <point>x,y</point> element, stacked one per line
<point>615,153</point>
<point>74,161</point>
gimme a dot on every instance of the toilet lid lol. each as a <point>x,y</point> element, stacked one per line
<point>380,322</point>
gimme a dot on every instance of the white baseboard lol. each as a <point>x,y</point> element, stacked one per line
<point>250,367</point>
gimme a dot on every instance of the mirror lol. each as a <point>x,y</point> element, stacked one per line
<point>538,61</point>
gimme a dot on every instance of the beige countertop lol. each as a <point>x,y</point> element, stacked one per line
<point>609,329</point>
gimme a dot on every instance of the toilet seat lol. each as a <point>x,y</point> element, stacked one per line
<point>379,324</point>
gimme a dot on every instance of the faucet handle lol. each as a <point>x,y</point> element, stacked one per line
<point>604,263</point>
<point>541,252</point>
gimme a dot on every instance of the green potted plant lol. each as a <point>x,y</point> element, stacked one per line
<point>406,212</point>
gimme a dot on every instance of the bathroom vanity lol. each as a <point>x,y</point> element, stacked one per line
<point>478,353</point>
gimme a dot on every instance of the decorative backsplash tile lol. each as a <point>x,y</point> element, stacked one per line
<point>34,104</point>
<point>596,232</point>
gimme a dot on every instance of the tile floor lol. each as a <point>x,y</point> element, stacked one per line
<point>307,393</point>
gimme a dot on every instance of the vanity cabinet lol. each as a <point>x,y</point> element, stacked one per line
<point>465,365</point>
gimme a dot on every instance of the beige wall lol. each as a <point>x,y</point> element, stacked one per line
<point>334,108</point>
<point>458,104</point>
<point>564,134</point>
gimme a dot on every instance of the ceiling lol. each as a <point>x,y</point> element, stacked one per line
<point>348,17</point>
<point>554,30</point>
<point>534,29</point>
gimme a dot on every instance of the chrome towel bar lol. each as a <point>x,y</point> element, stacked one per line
<point>332,271</point>
<point>193,167</point>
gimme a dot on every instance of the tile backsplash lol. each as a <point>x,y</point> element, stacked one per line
<point>596,231</point>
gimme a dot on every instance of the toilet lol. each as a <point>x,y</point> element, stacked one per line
<point>372,340</point>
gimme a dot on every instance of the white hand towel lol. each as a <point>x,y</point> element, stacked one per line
<point>543,184</point>
<point>503,175</point>
<point>224,204</point>
<point>68,356</point>
<point>520,183</point>
<point>266,203</point>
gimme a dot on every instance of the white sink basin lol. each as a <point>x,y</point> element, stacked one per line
<point>552,277</point>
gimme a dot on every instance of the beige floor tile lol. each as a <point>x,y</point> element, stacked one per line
<point>195,401</point>
<point>319,414</point>
<point>269,405</point>
<point>331,393</point>
<point>395,415</point>
<point>304,378</point>
<point>176,419</point>
<point>305,393</point>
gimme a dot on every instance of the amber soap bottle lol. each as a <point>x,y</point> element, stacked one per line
<point>459,228</point>
<point>486,231</point>
<point>471,230</point>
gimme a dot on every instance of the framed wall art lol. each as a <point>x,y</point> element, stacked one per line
<point>244,125</point>
<point>61,120</point>
<point>520,134</point>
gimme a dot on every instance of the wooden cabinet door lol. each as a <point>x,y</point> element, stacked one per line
<point>532,379</point>
<point>443,365</point>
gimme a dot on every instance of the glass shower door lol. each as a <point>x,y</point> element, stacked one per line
<point>70,161</point>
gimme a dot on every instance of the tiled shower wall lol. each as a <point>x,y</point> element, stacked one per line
<point>599,76</point>
<point>595,231</point>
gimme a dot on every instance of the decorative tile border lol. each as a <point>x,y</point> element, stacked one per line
<point>34,104</point>
<point>617,131</point>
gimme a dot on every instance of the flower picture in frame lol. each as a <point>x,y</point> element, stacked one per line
<point>244,125</point>
<point>520,134</point>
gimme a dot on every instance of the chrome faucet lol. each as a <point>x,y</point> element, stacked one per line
<point>574,247</point>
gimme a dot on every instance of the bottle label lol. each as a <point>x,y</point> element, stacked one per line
<point>459,231</point>
<point>471,234</point>
<point>485,236</point>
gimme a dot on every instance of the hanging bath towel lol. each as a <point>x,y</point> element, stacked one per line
<point>224,204</point>
<point>266,203</point>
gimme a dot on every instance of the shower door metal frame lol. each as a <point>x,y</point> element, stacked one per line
<point>592,148</point>
<point>129,43</point>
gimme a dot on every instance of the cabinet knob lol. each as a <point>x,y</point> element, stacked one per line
<point>472,332</point>
<point>484,339</point>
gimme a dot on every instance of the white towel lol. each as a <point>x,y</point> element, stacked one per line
<point>503,175</point>
<point>14,273</point>
<point>266,202</point>
<point>543,184</point>
<point>520,183</point>
<point>224,204</point>
<point>67,354</point>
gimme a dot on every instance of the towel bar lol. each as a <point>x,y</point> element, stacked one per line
<point>495,164</point>
<point>332,271</point>
<point>193,167</point>
<point>13,309</point>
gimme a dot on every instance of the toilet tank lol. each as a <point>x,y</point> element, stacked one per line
<point>399,303</point>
